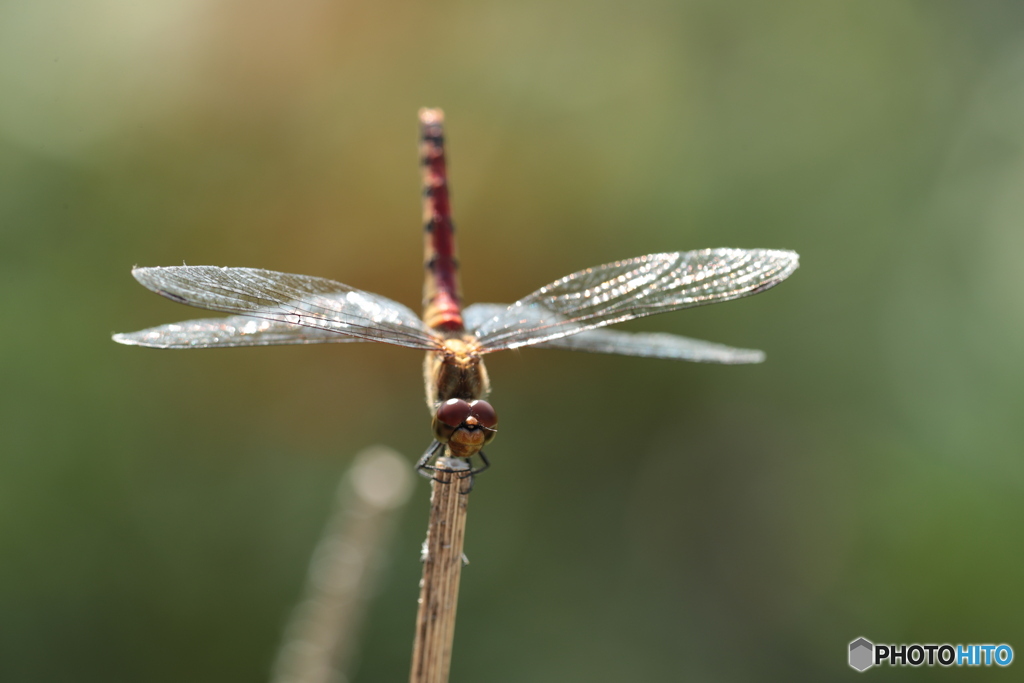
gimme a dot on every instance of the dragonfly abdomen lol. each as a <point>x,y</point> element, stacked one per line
<point>442,296</point>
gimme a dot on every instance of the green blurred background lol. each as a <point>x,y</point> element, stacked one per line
<point>644,520</point>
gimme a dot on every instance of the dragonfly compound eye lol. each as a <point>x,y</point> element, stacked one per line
<point>484,413</point>
<point>453,412</point>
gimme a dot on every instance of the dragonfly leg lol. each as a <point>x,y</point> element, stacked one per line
<point>425,469</point>
<point>469,473</point>
<point>422,465</point>
<point>477,470</point>
<point>469,487</point>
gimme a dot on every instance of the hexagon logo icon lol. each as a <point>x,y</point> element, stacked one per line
<point>862,653</point>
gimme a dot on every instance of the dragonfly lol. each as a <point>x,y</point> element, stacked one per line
<point>270,308</point>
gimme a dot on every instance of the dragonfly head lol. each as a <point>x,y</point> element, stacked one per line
<point>466,426</point>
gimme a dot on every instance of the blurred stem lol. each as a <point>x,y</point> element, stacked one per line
<point>322,635</point>
<point>442,568</point>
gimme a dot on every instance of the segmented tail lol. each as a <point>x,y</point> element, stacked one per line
<point>442,297</point>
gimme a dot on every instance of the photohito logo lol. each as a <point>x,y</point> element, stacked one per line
<point>864,654</point>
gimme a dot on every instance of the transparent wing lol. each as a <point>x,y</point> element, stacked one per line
<point>624,290</point>
<point>653,345</point>
<point>298,300</point>
<point>238,330</point>
<point>647,345</point>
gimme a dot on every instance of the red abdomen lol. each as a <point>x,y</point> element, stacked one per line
<point>442,297</point>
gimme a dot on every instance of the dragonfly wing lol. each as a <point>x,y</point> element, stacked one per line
<point>653,345</point>
<point>238,330</point>
<point>298,300</point>
<point>638,287</point>
<point>475,316</point>
<point>647,345</point>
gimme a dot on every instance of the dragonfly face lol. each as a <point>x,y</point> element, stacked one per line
<point>465,426</point>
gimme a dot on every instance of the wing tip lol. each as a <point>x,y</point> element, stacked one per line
<point>144,274</point>
<point>140,272</point>
<point>155,279</point>
<point>125,338</point>
<point>784,261</point>
<point>733,356</point>
<point>791,258</point>
<point>134,339</point>
<point>751,357</point>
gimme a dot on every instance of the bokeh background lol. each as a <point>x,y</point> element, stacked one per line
<point>644,520</point>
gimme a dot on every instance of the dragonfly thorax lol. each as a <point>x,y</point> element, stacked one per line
<point>455,371</point>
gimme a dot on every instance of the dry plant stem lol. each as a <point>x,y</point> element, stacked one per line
<point>322,636</point>
<point>442,567</point>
